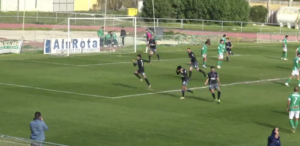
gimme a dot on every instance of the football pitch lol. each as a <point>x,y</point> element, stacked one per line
<point>96,99</point>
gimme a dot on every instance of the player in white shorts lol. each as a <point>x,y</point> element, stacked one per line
<point>295,72</point>
<point>293,109</point>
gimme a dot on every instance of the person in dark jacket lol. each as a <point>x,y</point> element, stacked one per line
<point>123,35</point>
<point>274,139</point>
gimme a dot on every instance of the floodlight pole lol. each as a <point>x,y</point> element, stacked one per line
<point>23,19</point>
<point>104,16</point>
<point>153,16</point>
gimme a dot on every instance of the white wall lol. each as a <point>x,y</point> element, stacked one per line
<point>9,5</point>
<point>30,5</point>
<point>45,5</point>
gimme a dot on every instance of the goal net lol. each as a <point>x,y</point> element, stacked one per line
<point>92,35</point>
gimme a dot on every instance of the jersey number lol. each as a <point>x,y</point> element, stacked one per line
<point>295,100</point>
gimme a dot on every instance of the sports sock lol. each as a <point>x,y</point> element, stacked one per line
<point>137,75</point>
<point>146,49</point>
<point>227,58</point>
<point>158,57</point>
<point>200,70</point>
<point>149,58</point>
<point>213,95</point>
<point>182,91</point>
<point>204,62</point>
<point>147,81</point>
<point>288,80</point>
<point>190,74</point>
<point>285,55</point>
<point>219,94</point>
<point>298,81</point>
<point>219,63</point>
<point>296,124</point>
<point>292,123</point>
<point>188,90</point>
<point>282,55</point>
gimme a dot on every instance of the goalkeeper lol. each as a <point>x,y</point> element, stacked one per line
<point>152,44</point>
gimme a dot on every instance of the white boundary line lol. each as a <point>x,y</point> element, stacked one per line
<point>52,90</point>
<point>197,88</point>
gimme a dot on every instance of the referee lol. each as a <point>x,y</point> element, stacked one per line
<point>214,83</point>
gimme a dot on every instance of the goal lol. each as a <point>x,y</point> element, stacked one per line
<point>83,35</point>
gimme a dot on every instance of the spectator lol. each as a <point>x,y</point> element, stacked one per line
<point>123,35</point>
<point>101,35</point>
<point>274,139</point>
<point>114,39</point>
<point>37,128</point>
<point>108,39</point>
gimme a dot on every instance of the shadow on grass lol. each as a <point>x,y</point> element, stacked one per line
<point>187,97</point>
<point>124,85</point>
<point>280,112</point>
<point>278,82</point>
<point>272,127</point>
<point>280,67</point>
<point>272,57</point>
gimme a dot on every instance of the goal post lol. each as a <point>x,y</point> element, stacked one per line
<point>77,35</point>
<point>116,25</point>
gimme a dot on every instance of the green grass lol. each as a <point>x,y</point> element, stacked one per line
<point>245,117</point>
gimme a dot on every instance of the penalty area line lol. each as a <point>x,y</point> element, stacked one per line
<point>53,90</point>
<point>198,88</point>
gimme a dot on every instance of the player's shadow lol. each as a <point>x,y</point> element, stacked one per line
<point>283,67</point>
<point>272,127</point>
<point>187,97</point>
<point>272,57</point>
<point>280,112</point>
<point>123,85</point>
<point>277,82</point>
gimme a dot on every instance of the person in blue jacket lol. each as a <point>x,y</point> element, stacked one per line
<point>274,139</point>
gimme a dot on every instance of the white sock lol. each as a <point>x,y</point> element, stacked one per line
<point>146,49</point>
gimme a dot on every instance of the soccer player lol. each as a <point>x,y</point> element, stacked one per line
<point>214,82</point>
<point>228,49</point>
<point>148,36</point>
<point>204,53</point>
<point>284,45</point>
<point>293,108</point>
<point>224,38</point>
<point>100,34</point>
<point>140,63</point>
<point>297,51</point>
<point>194,63</point>
<point>152,44</point>
<point>295,71</point>
<point>184,80</point>
<point>221,48</point>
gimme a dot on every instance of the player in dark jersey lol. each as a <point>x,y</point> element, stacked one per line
<point>140,63</point>
<point>228,49</point>
<point>214,83</point>
<point>152,44</point>
<point>184,79</point>
<point>194,63</point>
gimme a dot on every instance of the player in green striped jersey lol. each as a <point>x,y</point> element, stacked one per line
<point>297,51</point>
<point>295,71</point>
<point>204,53</point>
<point>293,108</point>
<point>221,49</point>
<point>284,45</point>
<point>224,38</point>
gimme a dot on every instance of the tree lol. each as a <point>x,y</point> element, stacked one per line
<point>259,13</point>
<point>162,9</point>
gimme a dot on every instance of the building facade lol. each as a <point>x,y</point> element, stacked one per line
<point>47,5</point>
